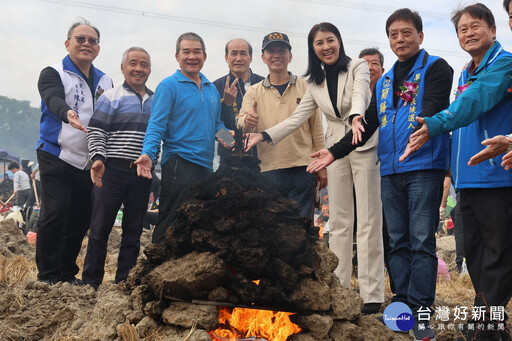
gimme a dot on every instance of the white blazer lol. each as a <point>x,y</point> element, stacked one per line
<point>353,99</point>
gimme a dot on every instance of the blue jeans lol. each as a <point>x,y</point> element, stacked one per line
<point>411,208</point>
<point>296,184</point>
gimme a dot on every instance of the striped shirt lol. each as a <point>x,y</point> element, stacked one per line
<point>119,123</point>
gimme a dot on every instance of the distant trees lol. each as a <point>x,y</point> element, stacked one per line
<point>19,127</point>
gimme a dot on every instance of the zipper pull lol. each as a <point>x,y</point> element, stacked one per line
<point>393,119</point>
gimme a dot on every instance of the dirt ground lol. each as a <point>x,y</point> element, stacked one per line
<point>30,310</point>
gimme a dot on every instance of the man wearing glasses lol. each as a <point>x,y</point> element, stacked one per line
<point>69,90</point>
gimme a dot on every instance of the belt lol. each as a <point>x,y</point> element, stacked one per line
<point>123,162</point>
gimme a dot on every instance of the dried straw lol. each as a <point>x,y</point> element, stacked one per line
<point>13,271</point>
<point>128,332</point>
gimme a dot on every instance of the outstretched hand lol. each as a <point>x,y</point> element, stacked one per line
<point>97,171</point>
<point>416,140</point>
<point>323,159</point>
<point>144,165</point>
<point>357,129</point>
<point>507,161</point>
<point>74,121</point>
<point>252,139</point>
<point>495,146</point>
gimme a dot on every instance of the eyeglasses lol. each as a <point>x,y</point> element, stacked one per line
<point>81,39</point>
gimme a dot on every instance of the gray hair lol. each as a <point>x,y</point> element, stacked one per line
<point>82,22</point>
<point>372,51</point>
<point>189,36</point>
<point>134,48</point>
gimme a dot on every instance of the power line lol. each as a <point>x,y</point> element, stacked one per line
<point>385,9</point>
<point>337,3</point>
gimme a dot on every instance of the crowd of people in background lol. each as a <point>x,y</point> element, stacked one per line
<point>387,148</point>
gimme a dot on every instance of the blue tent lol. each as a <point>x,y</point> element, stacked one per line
<point>6,156</point>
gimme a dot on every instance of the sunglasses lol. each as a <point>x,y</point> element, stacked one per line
<point>81,40</point>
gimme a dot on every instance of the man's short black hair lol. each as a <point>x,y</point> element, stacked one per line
<point>405,14</point>
<point>478,11</point>
<point>371,52</point>
<point>13,165</point>
<point>189,36</point>
<point>506,5</point>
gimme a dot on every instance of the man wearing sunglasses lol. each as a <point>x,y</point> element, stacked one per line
<point>69,90</point>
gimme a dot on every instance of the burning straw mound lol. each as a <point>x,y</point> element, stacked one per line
<point>238,242</point>
<point>233,230</point>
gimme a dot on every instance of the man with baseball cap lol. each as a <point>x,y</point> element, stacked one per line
<point>272,101</point>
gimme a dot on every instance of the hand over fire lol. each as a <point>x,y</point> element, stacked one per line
<point>323,159</point>
<point>252,139</point>
<point>144,165</point>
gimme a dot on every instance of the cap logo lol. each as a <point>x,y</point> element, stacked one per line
<point>275,36</point>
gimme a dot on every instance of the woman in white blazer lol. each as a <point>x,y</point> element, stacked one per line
<point>340,88</point>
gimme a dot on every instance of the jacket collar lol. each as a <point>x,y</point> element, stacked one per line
<point>252,77</point>
<point>129,88</point>
<point>94,73</point>
<point>292,81</point>
<point>421,61</point>
<point>489,57</point>
<point>182,78</point>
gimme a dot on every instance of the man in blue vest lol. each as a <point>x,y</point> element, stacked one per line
<point>417,85</point>
<point>483,108</point>
<point>69,90</point>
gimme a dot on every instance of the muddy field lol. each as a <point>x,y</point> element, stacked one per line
<point>30,310</point>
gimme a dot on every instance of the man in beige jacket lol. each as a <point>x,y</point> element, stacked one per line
<point>272,101</point>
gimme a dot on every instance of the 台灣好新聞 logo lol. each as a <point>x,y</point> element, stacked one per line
<point>398,317</point>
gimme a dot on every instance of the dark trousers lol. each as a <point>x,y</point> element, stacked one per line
<point>64,217</point>
<point>459,233</point>
<point>151,218</point>
<point>22,196</point>
<point>296,184</point>
<point>487,222</point>
<point>178,175</point>
<point>121,185</point>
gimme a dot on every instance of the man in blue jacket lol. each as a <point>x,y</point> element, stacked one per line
<point>482,109</point>
<point>497,144</point>
<point>417,85</point>
<point>69,90</point>
<point>185,115</point>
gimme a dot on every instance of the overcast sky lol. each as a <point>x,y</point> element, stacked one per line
<point>33,32</point>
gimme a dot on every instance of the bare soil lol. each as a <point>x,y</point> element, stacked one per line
<point>30,310</point>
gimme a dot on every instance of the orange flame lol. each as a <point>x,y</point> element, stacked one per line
<point>239,323</point>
